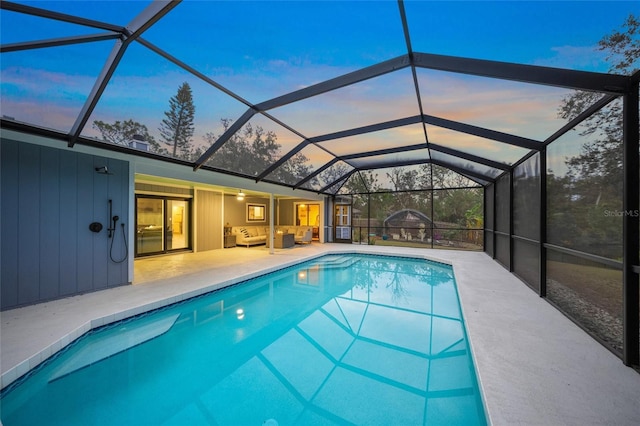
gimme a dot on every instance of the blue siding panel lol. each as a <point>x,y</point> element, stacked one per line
<point>100,212</point>
<point>9,212</point>
<point>49,224</point>
<point>29,224</point>
<point>68,224</point>
<point>84,210</point>
<point>118,192</point>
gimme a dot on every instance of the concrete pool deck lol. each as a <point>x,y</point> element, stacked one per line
<point>535,366</point>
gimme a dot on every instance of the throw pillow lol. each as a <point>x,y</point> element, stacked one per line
<point>244,232</point>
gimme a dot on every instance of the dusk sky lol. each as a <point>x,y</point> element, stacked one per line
<point>261,50</point>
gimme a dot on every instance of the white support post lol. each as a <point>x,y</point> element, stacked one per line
<point>271,230</point>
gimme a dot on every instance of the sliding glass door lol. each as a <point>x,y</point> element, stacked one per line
<point>178,224</point>
<point>162,225</point>
<point>309,215</point>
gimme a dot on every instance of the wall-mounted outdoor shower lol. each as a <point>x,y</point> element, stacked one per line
<point>111,228</point>
<point>111,233</point>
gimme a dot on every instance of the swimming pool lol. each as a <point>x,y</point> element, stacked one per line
<point>343,339</point>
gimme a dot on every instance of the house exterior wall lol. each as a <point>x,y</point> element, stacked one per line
<point>208,220</point>
<point>235,212</point>
<point>49,198</point>
<point>286,212</point>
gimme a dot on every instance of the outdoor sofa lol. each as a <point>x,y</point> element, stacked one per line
<point>255,235</point>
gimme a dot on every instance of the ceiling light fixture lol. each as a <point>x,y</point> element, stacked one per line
<point>240,196</point>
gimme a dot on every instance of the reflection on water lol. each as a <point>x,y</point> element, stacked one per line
<point>340,340</point>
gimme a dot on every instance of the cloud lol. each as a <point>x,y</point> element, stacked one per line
<point>481,147</point>
<point>47,115</point>
<point>384,98</point>
<point>42,84</point>
<point>522,109</point>
<point>585,58</point>
<point>390,138</point>
<point>45,98</point>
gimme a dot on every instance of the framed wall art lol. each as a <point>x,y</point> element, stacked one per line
<point>256,212</point>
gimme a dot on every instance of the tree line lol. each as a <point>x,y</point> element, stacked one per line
<point>584,204</point>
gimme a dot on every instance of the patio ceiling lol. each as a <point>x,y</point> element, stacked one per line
<point>343,87</point>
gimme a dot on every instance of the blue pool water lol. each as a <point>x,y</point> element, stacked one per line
<point>343,339</point>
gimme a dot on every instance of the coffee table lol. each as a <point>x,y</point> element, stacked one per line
<point>283,241</point>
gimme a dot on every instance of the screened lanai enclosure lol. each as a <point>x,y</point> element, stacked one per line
<point>450,133</point>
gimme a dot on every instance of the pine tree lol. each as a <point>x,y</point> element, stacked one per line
<point>177,128</point>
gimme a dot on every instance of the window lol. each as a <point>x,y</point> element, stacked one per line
<point>343,222</point>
